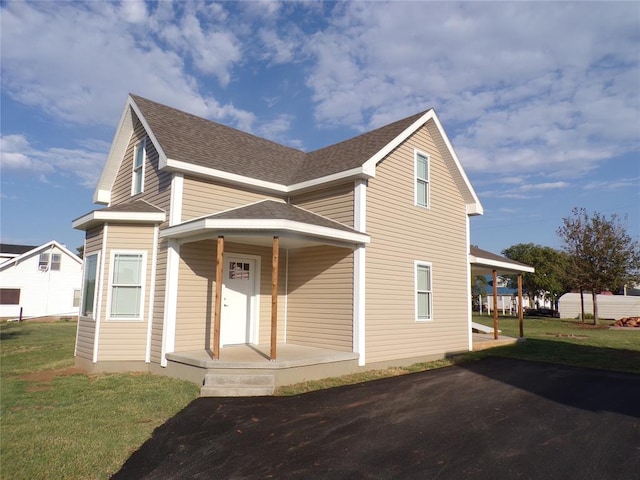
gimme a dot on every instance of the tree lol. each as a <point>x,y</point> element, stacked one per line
<point>549,280</point>
<point>478,288</point>
<point>602,255</point>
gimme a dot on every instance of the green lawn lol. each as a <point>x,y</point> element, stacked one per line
<point>570,342</point>
<point>59,423</point>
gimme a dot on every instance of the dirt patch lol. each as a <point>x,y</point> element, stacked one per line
<point>590,326</point>
<point>43,379</point>
<point>566,335</point>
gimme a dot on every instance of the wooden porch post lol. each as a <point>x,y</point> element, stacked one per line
<point>218,304</point>
<point>520,313</point>
<point>274,296</point>
<point>495,304</point>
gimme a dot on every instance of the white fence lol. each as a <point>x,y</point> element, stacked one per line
<point>609,306</point>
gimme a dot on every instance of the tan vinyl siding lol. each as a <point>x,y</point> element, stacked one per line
<point>335,203</point>
<point>204,197</point>
<point>86,337</point>
<point>157,184</point>
<point>196,293</point>
<point>402,233</point>
<point>320,304</point>
<point>87,327</point>
<point>125,340</point>
<point>158,304</point>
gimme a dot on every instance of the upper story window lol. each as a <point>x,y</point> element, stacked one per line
<point>139,154</point>
<point>56,258</point>
<point>43,262</point>
<point>422,178</point>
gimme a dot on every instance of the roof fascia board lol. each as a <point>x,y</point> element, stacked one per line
<point>117,150</point>
<point>162,160</point>
<point>358,172</point>
<point>389,147</point>
<point>224,176</point>
<point>99,216</point>
<point>34,251</point>
<point>354,173</point>
<point>474,208</point>
<point>263,225</point>
<point>102,194</point>
<point>486,262</point>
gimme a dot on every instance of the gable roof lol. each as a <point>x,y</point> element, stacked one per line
<point>189,143</point>
<point>37,250</point>
<point>137,211</point>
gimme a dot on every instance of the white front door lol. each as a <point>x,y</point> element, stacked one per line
<point>237,299</point>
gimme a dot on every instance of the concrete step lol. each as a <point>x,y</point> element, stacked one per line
<point>237,385</point>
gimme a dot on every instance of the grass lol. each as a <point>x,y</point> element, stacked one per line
<point>570,342</point>
<point>566,342</point>
<point>57,422</point>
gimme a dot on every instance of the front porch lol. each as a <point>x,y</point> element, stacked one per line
<point>246,370</point>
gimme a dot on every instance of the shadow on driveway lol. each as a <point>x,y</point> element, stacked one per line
<point>492,419</point>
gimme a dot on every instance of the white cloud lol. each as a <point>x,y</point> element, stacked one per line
<point>78,61</point>
<point>622,183</point>
<point>520,87</point>
<point>543,186</point>
<point>18,155</point>
<point>133,11</point>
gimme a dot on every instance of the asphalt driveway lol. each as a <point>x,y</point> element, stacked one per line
<point>491,419</point>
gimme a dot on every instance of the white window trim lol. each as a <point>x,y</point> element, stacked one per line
<point>417,153</point>
<point>143,282</point>
<point>142,144</point>
<point>416,264</point>
<point>96,288</point>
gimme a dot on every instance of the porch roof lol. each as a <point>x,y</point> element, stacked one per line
<point>484,262</point>
<point>137,211</point>
<point>257,223</point>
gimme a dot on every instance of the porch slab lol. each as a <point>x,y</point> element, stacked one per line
<point>482,341</point>
<point>235,373</point>
<point>257,357</point>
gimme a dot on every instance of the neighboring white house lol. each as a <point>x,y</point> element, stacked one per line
<point>609,306</point>
<point>42,281</point>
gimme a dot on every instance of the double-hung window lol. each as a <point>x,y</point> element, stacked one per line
<point>422,178</point>
<point>424,292</point>
<point>127,280</point>
<point>89,290</point>
<point>43,262</point>
<point>139,154</point>
<point>56,258</point>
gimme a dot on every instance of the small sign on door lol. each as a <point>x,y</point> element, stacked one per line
<point>238,271</point>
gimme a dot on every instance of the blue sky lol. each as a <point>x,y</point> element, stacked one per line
<point>541,101</point>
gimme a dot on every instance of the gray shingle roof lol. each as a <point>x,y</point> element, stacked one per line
<point>478,252</point>
<point>195,140</point>
<point>13,249</point>
<point>273,210</point>
<point>138,206</point>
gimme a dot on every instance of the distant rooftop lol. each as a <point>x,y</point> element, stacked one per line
<point>12,249</point>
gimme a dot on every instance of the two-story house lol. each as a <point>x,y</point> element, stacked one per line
<point>219,250</point>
